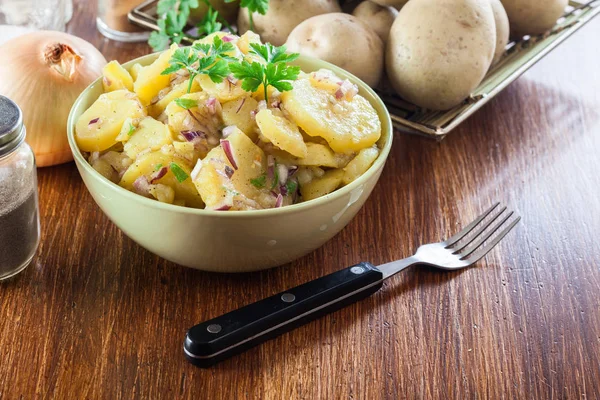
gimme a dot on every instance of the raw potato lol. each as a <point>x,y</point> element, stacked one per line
<point>397,4</point>
<point>109,113</point>
<point>343,40</point>
<point>502,29</point>
<point>439,51</point>
<point>377,17</point>
<point>533,17</point>
<point>347,125</point>
<point>283,16</point>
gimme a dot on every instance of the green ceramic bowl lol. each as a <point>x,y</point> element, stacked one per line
<point>237,241</point>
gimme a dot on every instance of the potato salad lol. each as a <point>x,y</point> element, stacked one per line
<point>228,124</point>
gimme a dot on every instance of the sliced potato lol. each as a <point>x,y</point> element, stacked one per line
<point>217,189</point>
<point>282,132</point>
<point>135,70</point>
<point>149,163</point>
<point>347,125</point>
<point>319,155</point>
<point>326,184</point>
<point>98,127</point>
<point>149,79</point>
<point>150,134</point>
<point>246,39</point>
<point>115,77</point>
<point>238,113</point>
<point>360,164</point>
<point>176,92</point>
<point>195,118</point>
<point>224,91</point>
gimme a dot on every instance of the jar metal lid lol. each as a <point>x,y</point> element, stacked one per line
<point>12,133</point>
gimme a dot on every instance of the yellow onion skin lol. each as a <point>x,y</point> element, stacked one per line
<point>44,72</point>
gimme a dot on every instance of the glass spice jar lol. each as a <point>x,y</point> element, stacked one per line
<point>19,216</point>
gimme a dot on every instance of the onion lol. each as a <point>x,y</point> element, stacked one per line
<point>158,174</point>
<point>191,135</point>
<point>44,72</point>
<point>226,144</point>
<point>282,172</point>
<point>229,171</point>
<point>196,170</point>
<point>141,186</point>
<point>228,130</point>
<point>279,201</point>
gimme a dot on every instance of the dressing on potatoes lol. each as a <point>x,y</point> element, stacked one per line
<point>221,147</point>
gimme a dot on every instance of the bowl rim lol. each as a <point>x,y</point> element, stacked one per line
<point>386,123</point>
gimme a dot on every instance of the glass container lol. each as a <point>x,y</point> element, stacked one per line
<point>112,21</point>
<point>19,216</point>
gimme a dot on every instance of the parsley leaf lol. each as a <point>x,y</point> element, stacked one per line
<point>209,23</point>
<point>291,186</point>
<point>131,129</point>
<point>259,182</point>
<point>276,72</point>
<point>259,6</point>
<point>179,173</point>
<point>186,103</point>
<point>158,167</point>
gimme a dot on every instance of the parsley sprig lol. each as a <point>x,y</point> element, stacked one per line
<point>174,14</point>
<point>274,72</point>
<point>200,59</point>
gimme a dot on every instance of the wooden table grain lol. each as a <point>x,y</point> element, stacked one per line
<point>97,317</point>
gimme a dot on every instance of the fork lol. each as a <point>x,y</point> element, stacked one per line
<point>220,338</point>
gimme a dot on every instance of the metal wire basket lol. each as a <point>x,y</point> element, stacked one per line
<point>518,58</point>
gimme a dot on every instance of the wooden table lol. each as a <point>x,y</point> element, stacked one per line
<point>98,317</point>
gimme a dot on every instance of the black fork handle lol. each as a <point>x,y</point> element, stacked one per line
<point>220,338</point>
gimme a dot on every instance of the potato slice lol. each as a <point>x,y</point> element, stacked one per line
<point>98,127</point>
<point>237,192</point>
<point>224,91</point>
<point>319,155</point>
<point>115,77</point>
<point>150,134</point>
<point>346,125</point>
<point>245,40</point>
<point>199,118</point>
<point>154,110</point>
<point>360,164</point>
<point>238,113</point>
<point>149,79</point>
<point>326,184</point>
<point>282,132</point>
<point>135,70</point>
<point>149,163</point>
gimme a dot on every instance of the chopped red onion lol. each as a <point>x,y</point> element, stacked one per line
<point>141,186</point>
<point>270,172</point>
<point>240,106</point>
<point>233,80</point>
<point>283,190</point>
<point>276,104</point>
<point>196,171</point>
<point>211,105</point>
<point>262,105</point>
<point>270,160</point>
<point>229,171</point>
<point>279,201</point>
<point>274,193</point>
<point>339,94</point>
<point>106,81</point>
<point>227,38</point>
<point>253,114</point>
<point>224,207</point>
<point>93,121</point>
<point>347,89</point>
<point>282,172</point>
<point>191,135</point>
<point>226,144</point>
<point>158,174</point>
<point>292,169</point>
<point>228,130</point>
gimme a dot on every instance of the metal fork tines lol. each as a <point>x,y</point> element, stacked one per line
<point>466,247</point>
